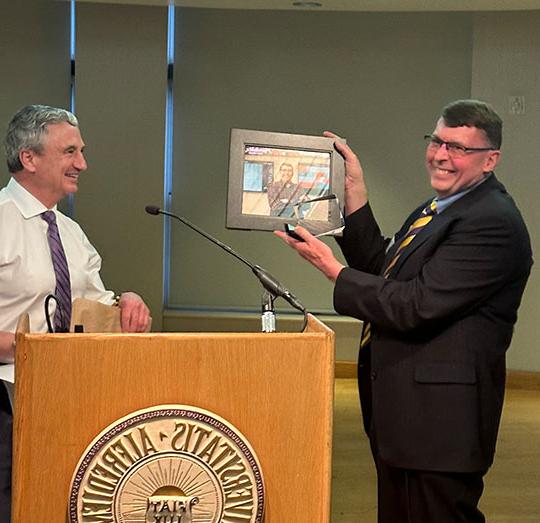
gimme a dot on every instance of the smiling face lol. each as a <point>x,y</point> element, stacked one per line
<point>53,173</point>
<point>450,175</point>
<point>286,172</point>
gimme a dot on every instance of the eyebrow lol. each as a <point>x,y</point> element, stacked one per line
<point>453,143</point>
<point>73,146</point>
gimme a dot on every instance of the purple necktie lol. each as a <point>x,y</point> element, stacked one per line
<point>62,316</point>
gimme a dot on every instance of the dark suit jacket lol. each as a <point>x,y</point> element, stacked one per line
<point>432,381</point>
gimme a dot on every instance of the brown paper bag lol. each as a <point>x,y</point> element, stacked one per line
<point>95,316</point>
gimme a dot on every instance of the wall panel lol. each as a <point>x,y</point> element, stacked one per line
<point>34,59</point>
<point>121,86</point>
<point>377,79</point>
<point>505,63</point>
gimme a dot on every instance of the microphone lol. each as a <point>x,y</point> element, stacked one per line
<point>152,209</point>
<point>275,288</point>
<point>267,280</point>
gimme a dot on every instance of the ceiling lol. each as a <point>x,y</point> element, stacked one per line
<point>346,5</point>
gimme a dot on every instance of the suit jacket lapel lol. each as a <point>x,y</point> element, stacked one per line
<point>398,237</point>
<point>439,221</point>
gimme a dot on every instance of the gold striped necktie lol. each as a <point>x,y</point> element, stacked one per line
<point>425,217</point>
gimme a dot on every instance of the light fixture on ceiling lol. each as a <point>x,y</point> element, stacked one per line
<point>310,5</point>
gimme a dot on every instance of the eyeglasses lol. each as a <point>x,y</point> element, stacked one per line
<point>455,150</point>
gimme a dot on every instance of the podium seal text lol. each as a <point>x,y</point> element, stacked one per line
<point>168,464</point>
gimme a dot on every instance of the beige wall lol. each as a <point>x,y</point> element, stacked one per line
<point>387,76</point>
<point>377,79</point>
<point>506,63</point>
<point>34,69</point>
<point>120,100</point>
<point>121,79</point>
<point>366,76</point>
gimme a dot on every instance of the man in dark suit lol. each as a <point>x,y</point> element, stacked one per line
<point>438,301</point>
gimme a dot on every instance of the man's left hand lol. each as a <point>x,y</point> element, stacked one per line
<point>134,314</point>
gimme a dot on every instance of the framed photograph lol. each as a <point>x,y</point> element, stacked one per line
<point>278,178</point>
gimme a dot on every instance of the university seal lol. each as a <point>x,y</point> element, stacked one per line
<point>168,464</point>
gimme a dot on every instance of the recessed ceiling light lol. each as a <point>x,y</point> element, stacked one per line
<point>307,4</point>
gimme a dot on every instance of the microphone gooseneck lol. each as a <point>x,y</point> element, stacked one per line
<point>267,280</point>
<point>50,328</point>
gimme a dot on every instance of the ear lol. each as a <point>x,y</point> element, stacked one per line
<point>27,159</point>
<point>491,161</point>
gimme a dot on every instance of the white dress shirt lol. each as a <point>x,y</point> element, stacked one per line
<point>26,270</point>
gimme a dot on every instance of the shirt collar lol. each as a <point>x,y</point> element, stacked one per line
<point>28,205</point>
<point>443,203</point>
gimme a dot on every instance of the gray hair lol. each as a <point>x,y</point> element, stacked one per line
<point>27,128</point>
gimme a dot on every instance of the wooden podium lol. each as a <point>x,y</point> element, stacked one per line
<point>276,389</point>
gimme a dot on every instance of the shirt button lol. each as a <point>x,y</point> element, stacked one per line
<point>373,374</point>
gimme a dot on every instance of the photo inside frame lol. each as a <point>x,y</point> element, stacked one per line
<point>271,173</point>
<point>275,179</point>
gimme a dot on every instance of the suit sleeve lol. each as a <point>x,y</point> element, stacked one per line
<point>362,243</point>
<point>455,271</point>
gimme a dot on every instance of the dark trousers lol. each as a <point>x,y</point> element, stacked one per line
<point>6,423</point>
<point>418,496</point>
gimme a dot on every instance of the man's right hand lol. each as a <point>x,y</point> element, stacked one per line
<point>355,187</point>
<point>314,251</point>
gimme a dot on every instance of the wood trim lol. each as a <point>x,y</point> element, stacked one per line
<point>515,379</point>
<point>521,379</point>
<point>346,369</point>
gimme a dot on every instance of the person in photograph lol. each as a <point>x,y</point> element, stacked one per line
<point>43,251</point>
<point>438,302</point>
<point>284,193</point>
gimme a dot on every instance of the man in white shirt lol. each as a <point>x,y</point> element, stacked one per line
<point>45,154</point>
